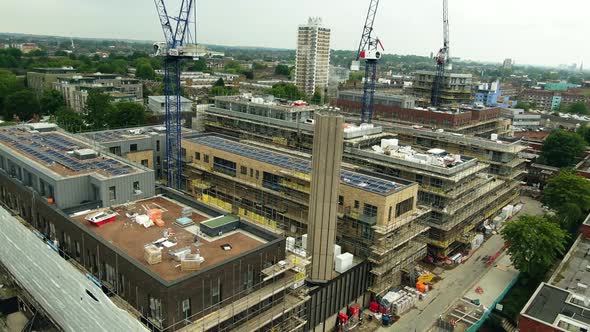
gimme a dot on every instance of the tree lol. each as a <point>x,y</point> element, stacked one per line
<point>223,91</point>
<point>569,195</point>
<point>317,97</point>
<point>287,91</point>
<point>125,114</point>
<point>233,67</point>
<point>249,74</point>
<point>219,82</point>
<point>21,104</point>
<point>522,105</point>
<point>98,107</point>
<point>51,101</point>
<point>145,71</point>
<point>8,85</point>
<point>282,70</point>
<point>199,65</point>
<point>69,120</point>
<point>584,132</point>
<point>534,244</point>
<point>577,108</point>
<point>258,66</point>
<point>562,148</point>
<point>356,76</point>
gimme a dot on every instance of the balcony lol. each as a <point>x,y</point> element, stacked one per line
<point>355,214</point>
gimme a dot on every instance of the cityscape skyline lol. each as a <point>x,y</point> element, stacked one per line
<point>475,34</point>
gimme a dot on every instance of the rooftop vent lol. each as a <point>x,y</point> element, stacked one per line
<point>85,154</point>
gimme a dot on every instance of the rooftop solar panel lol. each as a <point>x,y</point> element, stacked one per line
<point>371,184</point>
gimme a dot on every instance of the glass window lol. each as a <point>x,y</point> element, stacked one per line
<point>197,156</point>
<point>404,206</point>
<point>340,200</point>
<point>243,170</point>
<point>370,210</point>
<point>206,158</point>
<point>133,147</point>
<point>112,193</point>
<point>356,204</point>
<point>136,185</point>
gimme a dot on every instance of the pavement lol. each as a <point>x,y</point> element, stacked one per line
<point>64,293</point>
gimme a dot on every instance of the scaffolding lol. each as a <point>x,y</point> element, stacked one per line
<point>279,306</point>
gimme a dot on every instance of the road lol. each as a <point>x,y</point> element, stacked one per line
<point>454,284</point>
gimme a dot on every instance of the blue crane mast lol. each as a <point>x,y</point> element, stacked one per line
<point>176,47</point>
<point>442,60</point>
<point>369,51</point>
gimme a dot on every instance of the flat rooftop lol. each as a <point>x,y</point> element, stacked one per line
<point>432,157</point>
<point>130,237</point>
<point>349,178</point>
<point>129,134</point>
<point>549,302</point>
<point>53,150</point>
<point>572,273</point>
<point>277,104</point>
<point>565,297</point>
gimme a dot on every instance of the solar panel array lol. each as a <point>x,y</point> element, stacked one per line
<point>50,149</point>
<point>371,184</point>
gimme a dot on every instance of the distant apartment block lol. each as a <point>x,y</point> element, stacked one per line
<point>401,109</point>
<point>456,89</point>
<point>75,89</point>
<point>522,120</point>
<point>490,94</point>
<point>313,57</point>
<point>41,79</point>
<point>552,100</point>
<point>157,104</point>
<point>508,63</point>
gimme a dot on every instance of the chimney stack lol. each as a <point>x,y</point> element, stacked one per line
<point>323,203</point>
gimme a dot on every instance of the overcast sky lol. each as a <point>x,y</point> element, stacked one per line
<point>541,32</point>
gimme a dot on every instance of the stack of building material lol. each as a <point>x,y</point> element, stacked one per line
<point>477,241</point>
<point>144,221</point>
<point>304,241</point>
<point>290,242</point>
<point>508,211</point>
<point>337,250</point>
<point>156,216</point>
<point>152,254</point>
<point>343,262</point>
<point>191,262</point>
<point>178,254</point>
<point>404,303</point>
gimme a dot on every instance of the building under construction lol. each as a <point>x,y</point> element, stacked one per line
<point>462,195</point>
<point>272,189</point>
<point>463,119</point>
<point>456,89</point>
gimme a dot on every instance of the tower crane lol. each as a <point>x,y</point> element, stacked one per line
<point>442,60</point>
<point>369,51</point>
<point>176,47</point>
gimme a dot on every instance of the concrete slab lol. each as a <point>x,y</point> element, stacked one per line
<point>494,282</point>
